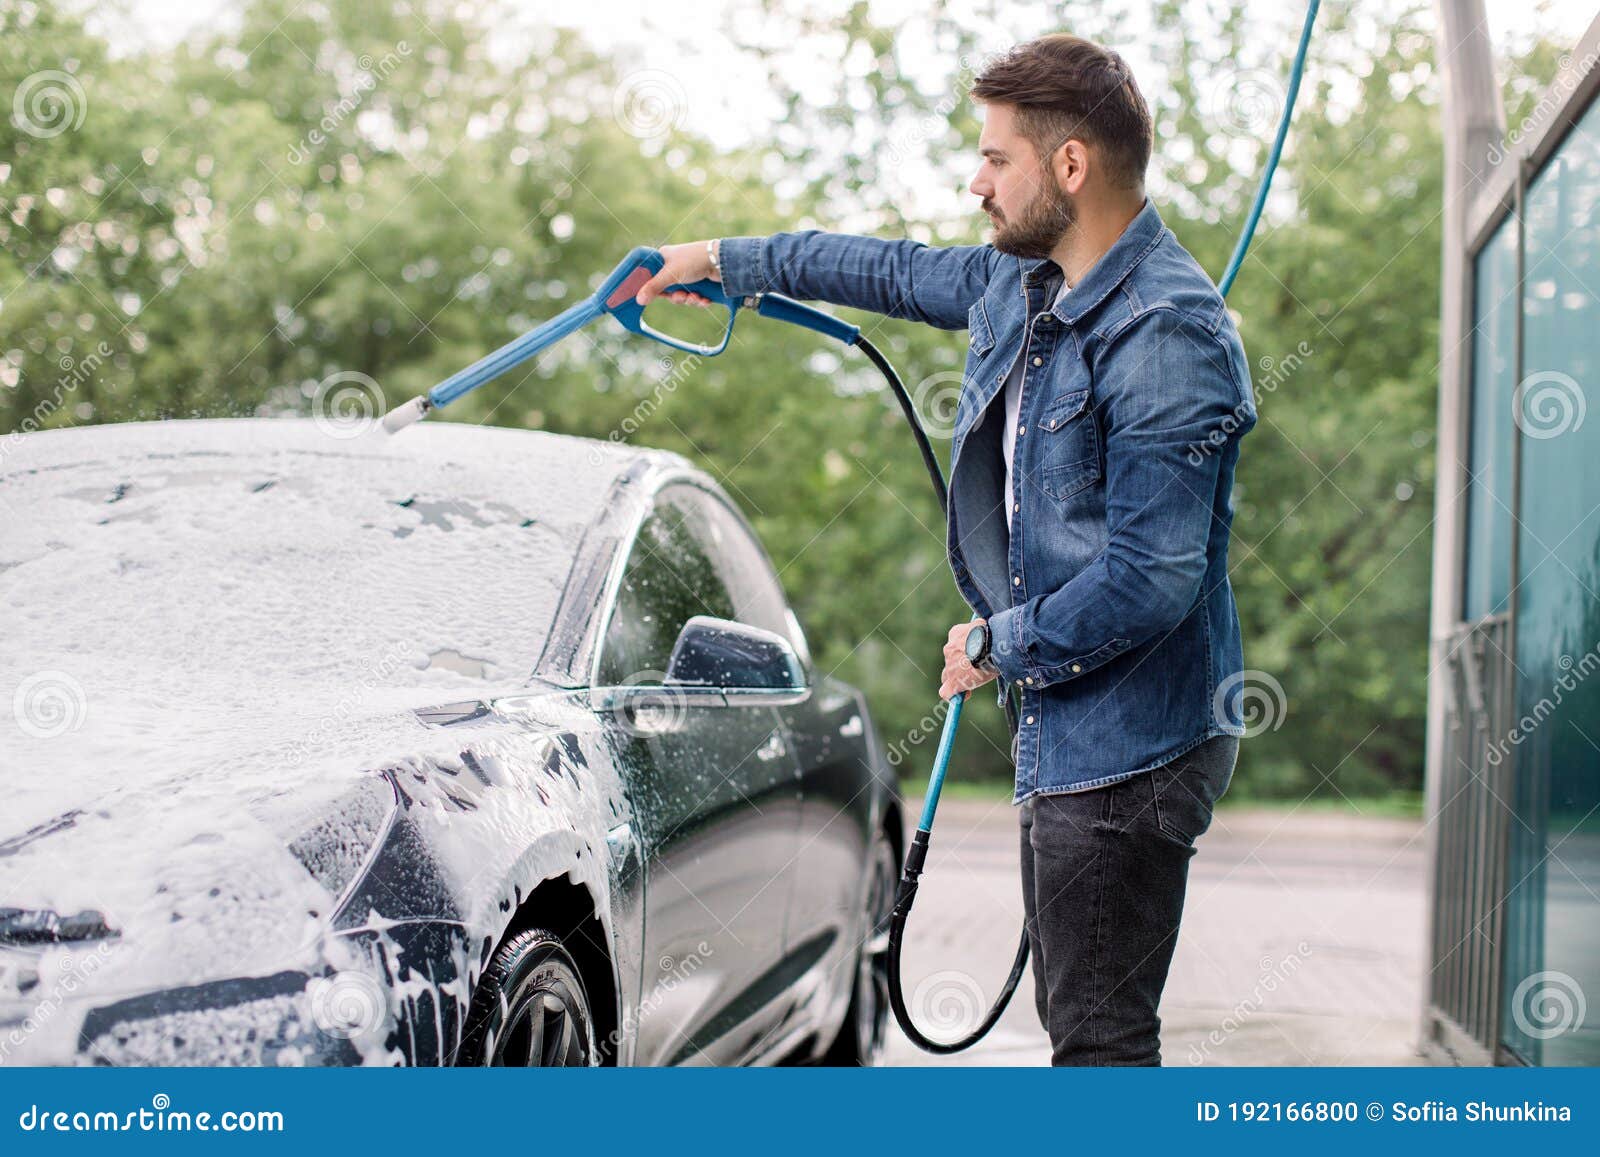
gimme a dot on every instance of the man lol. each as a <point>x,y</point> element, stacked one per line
<point>1091,469</point>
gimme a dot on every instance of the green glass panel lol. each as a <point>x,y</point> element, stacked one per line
<point>1552,956</point>
<point>1494,372</point>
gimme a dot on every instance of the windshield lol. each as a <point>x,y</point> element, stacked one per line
<point>232,563</point>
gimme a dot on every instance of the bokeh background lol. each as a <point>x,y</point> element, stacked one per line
<point>240,202</point>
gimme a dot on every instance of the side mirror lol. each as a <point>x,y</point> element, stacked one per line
<point>713,652</point>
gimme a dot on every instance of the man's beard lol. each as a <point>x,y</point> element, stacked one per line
<point>1039,228</point>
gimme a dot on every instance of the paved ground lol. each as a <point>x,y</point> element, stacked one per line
<point>1301,945</point>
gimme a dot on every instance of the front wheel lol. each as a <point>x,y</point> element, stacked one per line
<point>866,1024</point>
<point>531,1008</point>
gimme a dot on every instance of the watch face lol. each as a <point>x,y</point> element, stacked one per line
<point>977,642</point>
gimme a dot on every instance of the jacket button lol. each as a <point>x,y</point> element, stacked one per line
<point>1027,678</point>
<point>1030,719</point>
<point>1038,361</point>
<point>1021,430</point>
<point>1016,580</point>
<point>1076,668</point>
<point>1052,423</point>
<point>1016,508</point>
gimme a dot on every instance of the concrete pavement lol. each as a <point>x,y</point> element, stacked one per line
<point>1302,941</point>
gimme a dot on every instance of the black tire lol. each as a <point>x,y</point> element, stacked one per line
<point>865,1030</point>
<point>530,1009</point>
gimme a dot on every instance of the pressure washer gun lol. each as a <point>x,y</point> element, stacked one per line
<point>616,297</point>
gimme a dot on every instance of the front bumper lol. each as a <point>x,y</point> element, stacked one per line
<point>400,1000</point>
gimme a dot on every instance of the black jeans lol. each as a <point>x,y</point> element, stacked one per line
<point>1103,879</point>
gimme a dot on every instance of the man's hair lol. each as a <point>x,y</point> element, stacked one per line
<point>1063,86</point>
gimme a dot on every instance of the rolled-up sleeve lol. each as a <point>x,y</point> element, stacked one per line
<point>1169,401</point>
<point>904,279</point>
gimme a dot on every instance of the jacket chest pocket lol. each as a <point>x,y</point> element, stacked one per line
<point>980,337</point>
<point>1068,446</point>
<point>980,342</point>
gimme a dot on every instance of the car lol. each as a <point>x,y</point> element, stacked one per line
<point>462,746</point>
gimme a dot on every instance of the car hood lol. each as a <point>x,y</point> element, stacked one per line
<point>195,764</point>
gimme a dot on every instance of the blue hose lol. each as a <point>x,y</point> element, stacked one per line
<point>1295,71</point>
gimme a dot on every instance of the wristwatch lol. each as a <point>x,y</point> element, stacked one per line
<point>979,646</point>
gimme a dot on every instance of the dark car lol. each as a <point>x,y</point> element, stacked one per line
<point>463,746</point>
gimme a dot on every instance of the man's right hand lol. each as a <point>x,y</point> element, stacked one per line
<point>685,264</point>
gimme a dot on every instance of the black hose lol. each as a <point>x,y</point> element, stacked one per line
<point>906,407</point>
<point>917,854</point>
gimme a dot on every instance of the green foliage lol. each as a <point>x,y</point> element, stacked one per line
<point>362,187</point>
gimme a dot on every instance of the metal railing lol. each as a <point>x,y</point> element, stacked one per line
<point>1473,817</point>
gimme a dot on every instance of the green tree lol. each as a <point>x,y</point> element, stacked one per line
<point>368,188</point>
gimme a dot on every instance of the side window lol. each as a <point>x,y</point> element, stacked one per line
<point>743,566</point>
<point>693,556</point>
<point>669,579</point>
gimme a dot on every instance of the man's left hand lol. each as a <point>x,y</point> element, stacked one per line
<point>959,674</point>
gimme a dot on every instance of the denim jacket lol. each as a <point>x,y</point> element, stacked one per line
<point>1108,599</point>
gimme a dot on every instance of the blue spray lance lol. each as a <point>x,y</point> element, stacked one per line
<point>615,296</point>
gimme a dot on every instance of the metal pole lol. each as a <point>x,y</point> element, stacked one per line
<point>1474,125</point>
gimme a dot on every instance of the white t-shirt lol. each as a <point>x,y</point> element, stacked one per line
<point>1013,404</point>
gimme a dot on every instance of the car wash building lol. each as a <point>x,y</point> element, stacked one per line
<point>1513,754</point>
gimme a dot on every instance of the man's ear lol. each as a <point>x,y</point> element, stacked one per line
<point>1070,164</point>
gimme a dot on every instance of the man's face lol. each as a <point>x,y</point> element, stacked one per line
<point>1028,209</point>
